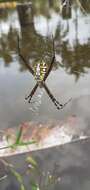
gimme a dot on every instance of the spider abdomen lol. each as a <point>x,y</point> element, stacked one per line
<point>40,70</point>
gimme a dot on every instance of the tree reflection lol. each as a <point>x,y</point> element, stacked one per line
<point>85,5</point>
<point>75,61</point>
<point>34,47</point>
<point>4,51</point>
<point>3,14</point>
<point>7,46</point>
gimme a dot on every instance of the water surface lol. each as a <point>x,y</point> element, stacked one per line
<point>69,78</point>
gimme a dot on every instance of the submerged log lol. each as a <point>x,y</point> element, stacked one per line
<point>30,136</point>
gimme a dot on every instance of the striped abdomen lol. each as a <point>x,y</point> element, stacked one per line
<point>40,70</point>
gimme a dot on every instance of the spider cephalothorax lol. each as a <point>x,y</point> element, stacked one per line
<point>40,73</point>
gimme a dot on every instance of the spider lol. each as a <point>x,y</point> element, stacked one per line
<point>41,75</point>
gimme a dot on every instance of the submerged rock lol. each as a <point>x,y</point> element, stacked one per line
<point>17,140</point>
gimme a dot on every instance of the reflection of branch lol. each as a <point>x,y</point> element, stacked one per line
<point>80,5</point>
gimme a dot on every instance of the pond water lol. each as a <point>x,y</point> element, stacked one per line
<point>37,26</point>
<point>69,77</point>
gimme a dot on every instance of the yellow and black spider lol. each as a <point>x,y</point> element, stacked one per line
<point>40,73</point>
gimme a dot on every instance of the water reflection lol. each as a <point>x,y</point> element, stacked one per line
<point>71,45</point>
<point>71,31</point>
<point>71,52</point>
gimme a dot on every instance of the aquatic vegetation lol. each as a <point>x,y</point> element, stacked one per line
<point>18,141</point>
<point>41,181</point>
<point>18,177</point>
<point>16,174</point>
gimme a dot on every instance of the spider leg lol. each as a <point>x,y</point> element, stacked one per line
<point>51,64</point>
<point>56,103</point>
<point>31,93</point>
<point>50,68</point>
<point>67,102</point>
<point>23,59</point>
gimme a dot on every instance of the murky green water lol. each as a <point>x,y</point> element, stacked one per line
<point>69,78</point>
